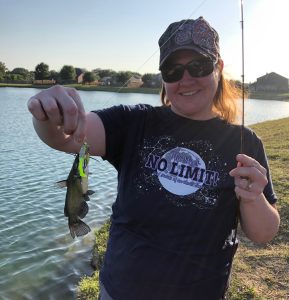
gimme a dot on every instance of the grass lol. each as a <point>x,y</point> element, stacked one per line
<point>259,272</point>
<point>269,96</point>
<point>262,272</point>
<point>88,288</point>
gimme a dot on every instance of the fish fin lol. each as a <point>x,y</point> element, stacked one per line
<point>71,228</point>
<point>65,211</point>
<point>90,192</point>
<point>86,197</point>
<point>87,194</point>
<point>83,210</point>
<point>61,183</point>
<point>79,229</point>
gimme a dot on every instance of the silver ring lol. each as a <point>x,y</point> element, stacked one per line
<point>249,186</point>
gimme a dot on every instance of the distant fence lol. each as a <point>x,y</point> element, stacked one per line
<point>44,81</point>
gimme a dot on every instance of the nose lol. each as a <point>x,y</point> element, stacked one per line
<point>187,78</point>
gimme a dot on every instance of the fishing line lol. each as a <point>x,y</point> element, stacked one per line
<point>157,50</point>
<point>74,154</point>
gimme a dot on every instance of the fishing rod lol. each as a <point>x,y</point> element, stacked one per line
<point>235,229</point>
<point>243,81</point>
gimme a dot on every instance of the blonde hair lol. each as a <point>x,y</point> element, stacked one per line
<point>225,100</point>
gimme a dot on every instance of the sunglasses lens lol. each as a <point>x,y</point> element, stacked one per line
<point>200,68</point>
<point>196,68</point>
<point>172,73</point>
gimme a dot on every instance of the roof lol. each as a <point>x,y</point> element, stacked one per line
<point>270,76</point>
<point>79,71</point>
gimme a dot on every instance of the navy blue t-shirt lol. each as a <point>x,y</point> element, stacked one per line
<point>175,210</point>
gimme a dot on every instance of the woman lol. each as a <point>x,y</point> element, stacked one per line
<point>181,179</point>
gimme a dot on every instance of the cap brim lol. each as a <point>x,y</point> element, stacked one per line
<point>193,48</point>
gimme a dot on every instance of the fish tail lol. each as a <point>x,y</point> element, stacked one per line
<point>79,228</point>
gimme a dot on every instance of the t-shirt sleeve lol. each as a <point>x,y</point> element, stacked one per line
<point>117,121</point>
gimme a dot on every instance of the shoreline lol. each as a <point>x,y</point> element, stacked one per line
<point>95,88</point>
<point>143,90</point>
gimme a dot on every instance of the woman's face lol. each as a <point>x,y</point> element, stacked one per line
<point>192,97</point>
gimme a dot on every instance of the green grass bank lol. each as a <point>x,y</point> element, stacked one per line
<point>259,272</point>
<point>269,96</point>
<point>81,87</point>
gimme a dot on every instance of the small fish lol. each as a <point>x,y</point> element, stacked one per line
<point>77,194</point>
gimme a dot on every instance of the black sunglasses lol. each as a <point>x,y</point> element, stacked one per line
<point>196,68</point>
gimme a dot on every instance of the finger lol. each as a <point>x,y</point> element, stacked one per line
<point>242,183</point>
<point>245,194</point>
<point>52,110</point>
<point>36,109</point>
<point>67,108</point>
<point>79,134</point>
<point>248,161</point>
<point>251,173</point>
<point>70,117</point>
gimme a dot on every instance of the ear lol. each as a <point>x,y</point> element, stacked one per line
<point>221,65</point>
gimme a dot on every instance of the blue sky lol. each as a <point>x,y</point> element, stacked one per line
<point>123,35</point>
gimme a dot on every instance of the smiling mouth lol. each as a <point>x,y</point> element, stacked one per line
<point>191,93</point>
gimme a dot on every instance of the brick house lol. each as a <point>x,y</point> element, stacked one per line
<point>79,74</point>
<point>271,82</point>
<point>135,82</point>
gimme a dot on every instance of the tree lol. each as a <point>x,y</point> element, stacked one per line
<point>54,75</point>
<point>104,73</point>
<point>89,77</point>
<point>31,75</point>
<point>20,71</point>
<point>67,73</point>
<point>25,75</point>
<point>3,70</point>
<point>147,79</point>
<point>151,80</point>
<point>123,77</point>
<point>41,71</point>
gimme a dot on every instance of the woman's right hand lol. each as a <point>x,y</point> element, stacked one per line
<point>61,106</point>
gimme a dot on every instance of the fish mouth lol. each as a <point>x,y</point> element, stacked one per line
<point>189,93</point>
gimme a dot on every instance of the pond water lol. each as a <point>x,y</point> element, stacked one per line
<point>38,257</point>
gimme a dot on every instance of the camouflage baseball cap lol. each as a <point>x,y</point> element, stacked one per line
<point>196,35</point>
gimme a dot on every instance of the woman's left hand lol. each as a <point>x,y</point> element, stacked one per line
<point>250,178</point>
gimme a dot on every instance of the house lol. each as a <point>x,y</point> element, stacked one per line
<point>135,82</point>
<point>107,80</point>
<point>271,82</point>
<point>79,74</point>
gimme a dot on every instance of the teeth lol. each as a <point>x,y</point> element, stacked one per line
<point>189,93</point>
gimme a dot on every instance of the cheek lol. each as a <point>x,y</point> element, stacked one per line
<point>213,81</point>
<point>171,89</point>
